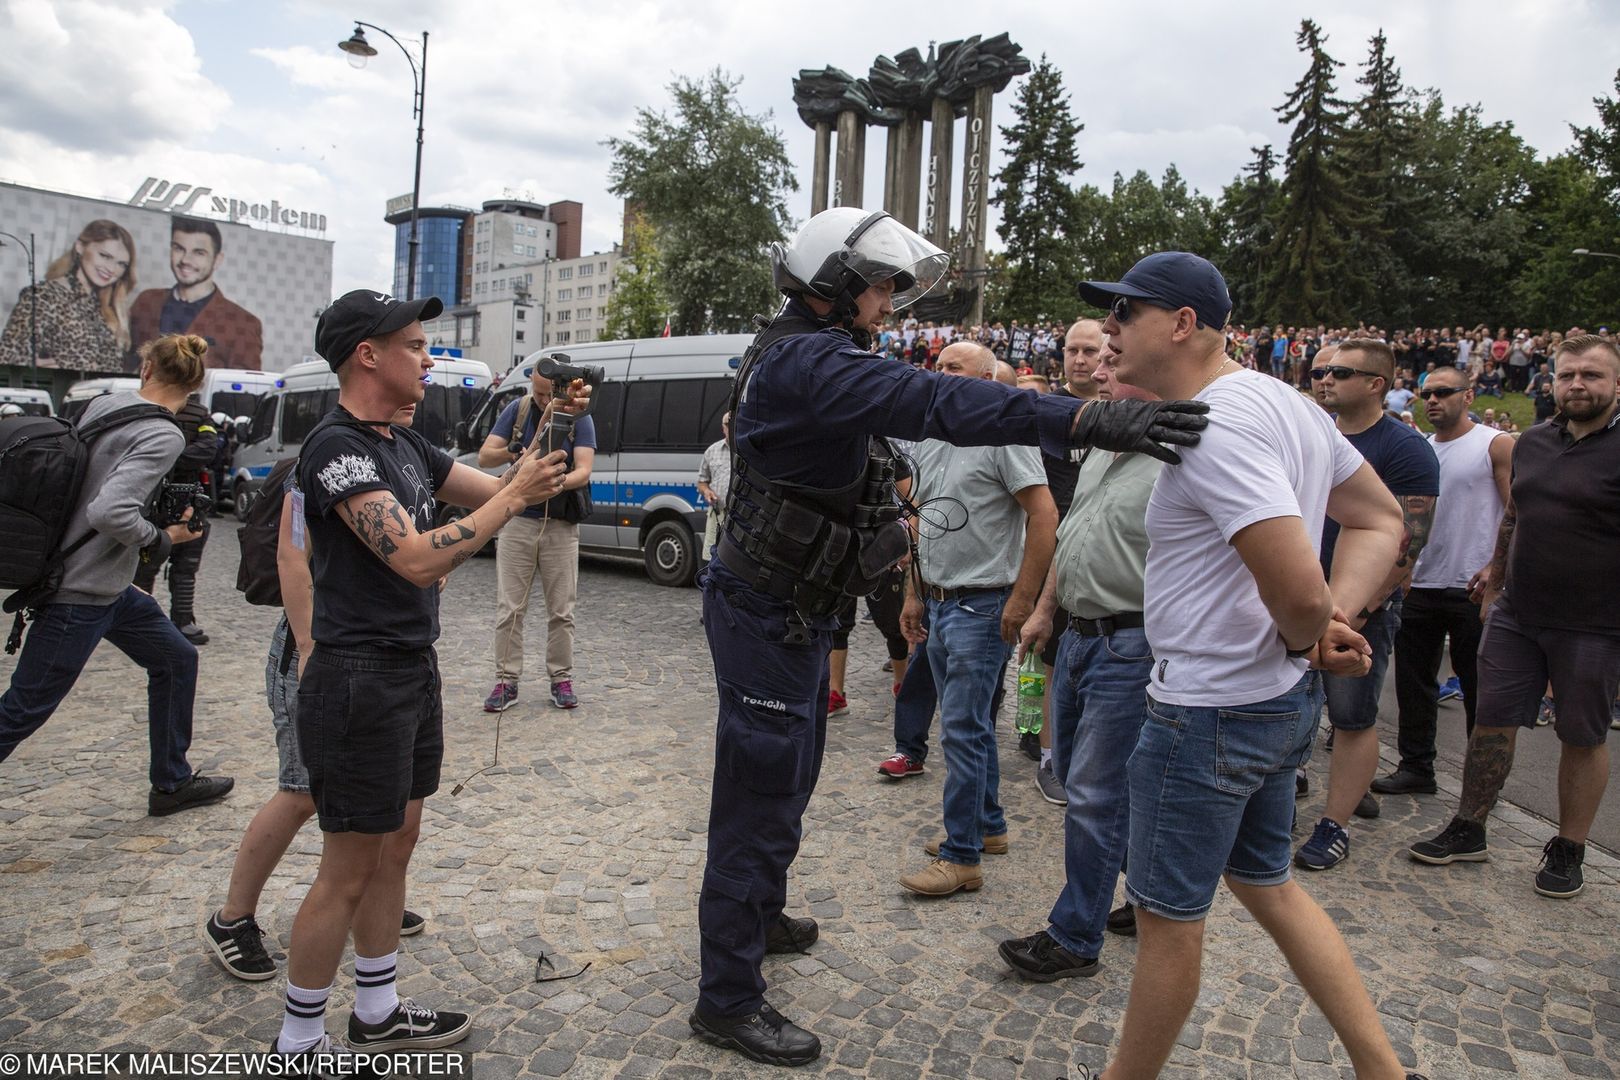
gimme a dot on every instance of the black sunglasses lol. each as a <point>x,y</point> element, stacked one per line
<point>1441,392</point>
<point>1120,309</point>
<point>1340,372</point>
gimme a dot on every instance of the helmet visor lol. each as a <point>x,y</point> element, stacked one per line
<point>887,249</point>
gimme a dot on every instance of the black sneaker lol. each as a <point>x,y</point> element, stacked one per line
<point>1122,920</point>
<point>1461,841</point>
<point>766,1036</point>
<point>329,1059</point>
<point>1040,958</point>
<point>1030,743</point>
<point>240,947</point>
<point>1402,782</point>
<point>1560,873</point>
<point>200,790</point>
<point>411,1027</point>
<point>194,634</point>
<point>411,923</point>
<point>787,935</point>
<point>1368,807</point>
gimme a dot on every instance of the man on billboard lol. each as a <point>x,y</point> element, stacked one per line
<point>195,305</point>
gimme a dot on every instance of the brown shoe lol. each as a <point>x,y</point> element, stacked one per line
<point>993,845</point>
<point>942,877</point>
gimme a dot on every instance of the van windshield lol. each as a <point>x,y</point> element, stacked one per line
<point>233,403</point>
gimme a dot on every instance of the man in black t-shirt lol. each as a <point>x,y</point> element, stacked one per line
<point>369,719</point>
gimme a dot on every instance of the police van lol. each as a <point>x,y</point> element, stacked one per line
<point>33,401</point>
<point>82,393</point>
<point>655,414</point>
<point>308,391</point>
<point>234,391</point>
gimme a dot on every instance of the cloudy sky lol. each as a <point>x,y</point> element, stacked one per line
<point>254,100</point>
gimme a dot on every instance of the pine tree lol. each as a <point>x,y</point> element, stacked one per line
<point>1321,211</point>
<point>1249,204</point>
<point>1378,156</point>
<point>1037,203</point>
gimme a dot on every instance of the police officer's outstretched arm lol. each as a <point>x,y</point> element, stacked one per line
<point>1140,426</point>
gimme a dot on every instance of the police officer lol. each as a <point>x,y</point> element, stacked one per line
<point>811,517</point>
<point>202,442</point>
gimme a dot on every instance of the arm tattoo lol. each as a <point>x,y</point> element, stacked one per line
<point>1504,541</point>
<point>378,522</point>
<point>453,534</point>
<point>459,557</point>
<point>1417,514</point>
<point>1490,758</point>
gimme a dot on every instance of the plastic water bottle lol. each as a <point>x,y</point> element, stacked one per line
<point>1031,692</point>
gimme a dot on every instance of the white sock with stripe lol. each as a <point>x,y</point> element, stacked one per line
<point>304,1022</point>
<point>376,995</point>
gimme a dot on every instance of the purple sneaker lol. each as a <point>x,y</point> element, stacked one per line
<point>503,697</point>
<point>562,695</point>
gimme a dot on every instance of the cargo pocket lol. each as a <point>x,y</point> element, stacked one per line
<point>726,915</point>
<point>764,742</point>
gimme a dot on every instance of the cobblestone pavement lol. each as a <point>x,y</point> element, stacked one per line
<point>587,843</point>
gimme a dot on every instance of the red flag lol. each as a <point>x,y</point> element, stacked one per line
<point>666,329</point>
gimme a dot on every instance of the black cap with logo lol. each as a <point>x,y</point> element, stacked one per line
<point>361,314</point>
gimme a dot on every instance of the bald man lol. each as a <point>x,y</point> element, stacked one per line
<point>981,574</point>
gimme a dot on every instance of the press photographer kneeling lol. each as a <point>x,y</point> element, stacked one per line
<point>106,537</point>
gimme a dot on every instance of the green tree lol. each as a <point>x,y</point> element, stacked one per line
<point>1568,207</point>
<point>1378,155</point>
<point>1599,147</point>
<point>1138,217</point>
<point>712,180</point>
<point>1320,206</point>
<point>637,307</point>
<point>1249,207</point>
<point>1037,204</point>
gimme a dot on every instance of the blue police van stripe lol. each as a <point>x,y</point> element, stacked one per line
<point>259,472</point>
<point>639,494</point>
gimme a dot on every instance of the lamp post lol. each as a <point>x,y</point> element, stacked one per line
<point>1594,254</point>
<point>33,298</point>
<point>360,50</point>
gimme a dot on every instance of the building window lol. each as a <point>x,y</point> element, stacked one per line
<point>583,313</point>
<point>584,335</point>
<point>586,269</point>
<point>565,273</point>
<point>562,337</point>
<point>522,313</point>
<point>565,294</point>
<point>564,316</point>
<point>520,335</point>
<point>517,249</point>
<point>602,266</point>
<point>529,250</point>
<point>601,290</point>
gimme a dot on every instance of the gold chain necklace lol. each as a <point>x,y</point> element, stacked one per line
<point>1213,376</point>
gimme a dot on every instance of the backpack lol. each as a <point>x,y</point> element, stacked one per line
<point>257,577</point>
<point>43,460</point>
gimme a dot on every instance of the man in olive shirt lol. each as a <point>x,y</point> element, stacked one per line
<point>1098,694</point>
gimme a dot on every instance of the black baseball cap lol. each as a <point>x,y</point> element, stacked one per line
<point>1173,279</point>
<point>361,314</point>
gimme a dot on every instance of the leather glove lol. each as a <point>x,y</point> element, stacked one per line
<point>1140,426</point>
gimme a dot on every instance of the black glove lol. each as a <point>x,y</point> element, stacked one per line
<point>1140,426</point>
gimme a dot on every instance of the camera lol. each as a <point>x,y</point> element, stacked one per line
<point>558,368</point>
<point>169,507</point>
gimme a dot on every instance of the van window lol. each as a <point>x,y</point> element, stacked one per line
<point>674,414</point>
<point>607,401</point>
<point>299,413</point>
<point>486,419</point>
<point>264,418</point>
<point>233,403</point>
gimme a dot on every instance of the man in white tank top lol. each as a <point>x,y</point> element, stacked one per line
<point>1475,467</point>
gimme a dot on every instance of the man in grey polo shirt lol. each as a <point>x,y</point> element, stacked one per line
<point>983,551</point>
<point>1098,694</point>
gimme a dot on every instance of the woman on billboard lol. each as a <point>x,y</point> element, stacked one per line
<point>80,306</point>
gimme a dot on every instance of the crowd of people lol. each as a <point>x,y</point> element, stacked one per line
<point>1211,556</point>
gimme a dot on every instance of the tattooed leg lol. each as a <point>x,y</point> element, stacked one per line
<point>1490,758</point>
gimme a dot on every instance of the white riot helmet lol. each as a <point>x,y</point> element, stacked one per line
<point>10,409</point>
<point>840,252</point>
<point>220,419</point>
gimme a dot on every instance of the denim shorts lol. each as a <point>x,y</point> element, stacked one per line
<point>371,728</point>
<point>281,690</point>
<point>1352,703</point>
<point>1212,793</point>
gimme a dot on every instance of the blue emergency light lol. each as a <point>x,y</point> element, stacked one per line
<point>236,386</point>
<point>469,381</point>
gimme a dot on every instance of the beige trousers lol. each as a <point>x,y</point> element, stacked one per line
<point>522,551</point>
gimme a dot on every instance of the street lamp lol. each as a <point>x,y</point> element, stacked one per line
<point>33,298</point>
<point>1594,254</point>
<point>360,50</point>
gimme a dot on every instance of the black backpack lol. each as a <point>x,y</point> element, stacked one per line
<point>257,577</point>
<point>42,465</point>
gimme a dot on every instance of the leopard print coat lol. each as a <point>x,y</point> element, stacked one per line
<point>72,334</point>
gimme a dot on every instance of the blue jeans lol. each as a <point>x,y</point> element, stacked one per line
<point>59,644</point>
<point>966,653</point>
<point>1099,700</point>
<point>1212,792</point>
<point>914,705</point>
<point>1352,703</point>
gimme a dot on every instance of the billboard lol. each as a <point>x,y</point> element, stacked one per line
<point>112,276</point>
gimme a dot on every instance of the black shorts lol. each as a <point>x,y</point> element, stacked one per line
<point>1518,662</point>
<point>1060,623</point>
<point>371,731</point>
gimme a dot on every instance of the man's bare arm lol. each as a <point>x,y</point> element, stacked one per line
<point>1369,541</point>
<point>1278,555</point>
<point>297,584</point>
<point>1040,540</point>
<point>1417,520</point>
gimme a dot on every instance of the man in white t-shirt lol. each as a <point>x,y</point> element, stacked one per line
<point>1236,609</point>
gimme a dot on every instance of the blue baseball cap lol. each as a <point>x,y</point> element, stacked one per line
<point>1172,279</point>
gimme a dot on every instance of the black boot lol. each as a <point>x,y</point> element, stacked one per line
<point>766,1036</point>
<point>791,935</point>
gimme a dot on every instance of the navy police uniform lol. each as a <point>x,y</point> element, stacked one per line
<point>808,407</point>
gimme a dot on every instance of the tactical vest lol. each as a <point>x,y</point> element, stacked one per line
<point>810,546</point>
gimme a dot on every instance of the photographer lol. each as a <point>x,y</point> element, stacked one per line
<point>96,599</point>
<point>185,484</point>
<point>543,540</point>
